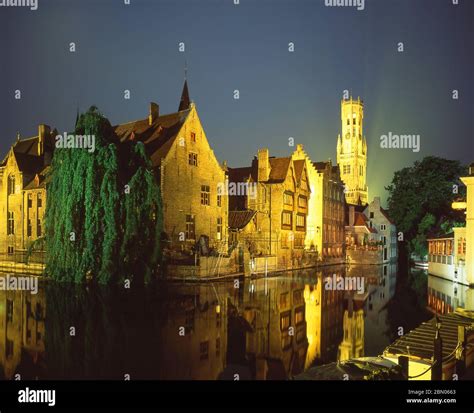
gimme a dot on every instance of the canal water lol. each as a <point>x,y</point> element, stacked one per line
<point>265,328</point>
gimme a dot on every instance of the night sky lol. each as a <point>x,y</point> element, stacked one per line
<point>245,47</point>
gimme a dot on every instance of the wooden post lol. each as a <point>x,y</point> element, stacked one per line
<point>437,369</point>
<point>403,362</point>
<point>461,352</point>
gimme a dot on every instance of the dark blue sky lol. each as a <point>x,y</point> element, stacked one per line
<point>245,47</point>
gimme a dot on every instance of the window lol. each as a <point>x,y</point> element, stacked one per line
<point>38,228</point>
<point>9,311</point>
<point>354,121</point>
<point>300,221</point>
<point>219,228</point>
<point>30,200</point>
<point>286,219</point>
<point>218,319</point>
<point>11,185</point>
<point>361,170</point>
<point>288,198</point>
<point>302,201</point>
<point>10,250</point>
<point>298,297</point>
<point>218,346</point>
<point>371,215</point>
<point>11,223</point>
<point>204,350</point>
<point>348,121</point>
<point>190,227</point>
<point>205,195</point>
<point>193,159</point>
<point>284,300</point>
<point>285,321</point>
<point>193,137</point>
<point>189,321</point>
<point>219,200</point>
<point>299,316</point>
<point>346,169</point>
<point>39,201</point>
<point>9,348</point>
<point>29,228</point>
<point>382,227</point>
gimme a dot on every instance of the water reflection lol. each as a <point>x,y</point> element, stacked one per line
<point>265,329</point>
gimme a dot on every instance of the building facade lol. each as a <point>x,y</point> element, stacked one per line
<point>189,175</point>
<point>23,193</point>
<point>330,215</point>
<point>278,190</point>
<point>352,151</point>
<point>386,229</point>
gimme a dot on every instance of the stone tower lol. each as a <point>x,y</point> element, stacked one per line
<point>352,151</point>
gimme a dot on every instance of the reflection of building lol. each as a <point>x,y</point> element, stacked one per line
<point>352,344</point>
<point>444,296</point>
<point>194,338</point>
<point>352,151</point>
<point>22,330</point>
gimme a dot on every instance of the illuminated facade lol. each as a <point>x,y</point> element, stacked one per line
<point>352,152</point>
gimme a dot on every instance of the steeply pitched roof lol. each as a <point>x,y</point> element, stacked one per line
<point>157,137</point>
<point>240,219</point>
<point>278,169</point>
<point>385,214</point>
<point>185,101</point>
<point>299,167</point>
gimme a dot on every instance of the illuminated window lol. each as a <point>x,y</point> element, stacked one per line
<point>286,219</point>
<point>205,195</point>
<point>300,221</point>
<point>219,228</point>
<point>219,200</point>
<point>39,201</point>
<point>288,198</point>
<point>299,316</point>
<point>11,223</point>
<point>284,300</point>
<point>302,201</point>
<point>190,227</point>
<point>11,185</point>
<point>193,137</point>
<point>204,350</point>
<point>193,159</point>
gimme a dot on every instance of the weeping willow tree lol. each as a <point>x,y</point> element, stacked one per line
<point>103,214</point>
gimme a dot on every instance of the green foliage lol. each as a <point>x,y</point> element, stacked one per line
<point>91,222</point>
<point>420,199</point>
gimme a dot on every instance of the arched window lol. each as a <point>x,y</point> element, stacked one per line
<point>11,184</point>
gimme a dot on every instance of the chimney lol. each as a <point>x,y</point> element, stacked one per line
<point>263,165</point>
<point>43,131</point>
<point>351,215</point>
<point>154,113</point>
<point>377,202</point>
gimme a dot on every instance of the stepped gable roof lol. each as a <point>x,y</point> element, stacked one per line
<point>240,219</point>
<point>278,169</point>
<point>157,137</point>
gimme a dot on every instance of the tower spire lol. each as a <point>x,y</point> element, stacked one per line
<point>185,102</point>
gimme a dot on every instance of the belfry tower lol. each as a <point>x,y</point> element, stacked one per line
<point>352,151</point>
